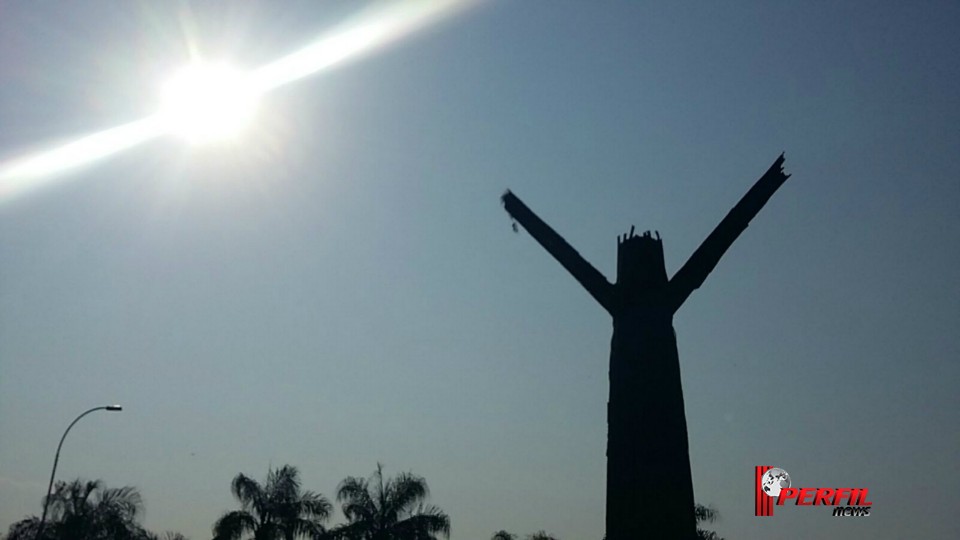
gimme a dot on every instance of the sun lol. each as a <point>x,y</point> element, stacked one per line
<point>208,102</point>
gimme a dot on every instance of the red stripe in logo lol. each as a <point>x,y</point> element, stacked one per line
<point>763,503</point>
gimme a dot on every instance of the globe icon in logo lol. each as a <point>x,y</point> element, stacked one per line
<point>774,480</point>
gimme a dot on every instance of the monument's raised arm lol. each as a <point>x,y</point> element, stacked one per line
<point>588,276</point>
<point>706,257</point>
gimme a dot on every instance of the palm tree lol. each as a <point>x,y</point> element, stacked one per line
<point>86,510</point>
<point>540,535</point>
<point>273,511</point>
<point>389,509</point>
<point>503,535</point>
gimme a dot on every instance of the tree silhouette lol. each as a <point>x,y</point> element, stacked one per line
<point>86,510</point>
<point>389,509</point>
<point>503,535</point>
<point>709,515</point>
<point>275,510</point>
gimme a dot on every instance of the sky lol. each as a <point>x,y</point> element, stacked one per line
<point>341,286</point>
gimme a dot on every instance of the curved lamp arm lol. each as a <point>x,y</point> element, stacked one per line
<point>56,459</point>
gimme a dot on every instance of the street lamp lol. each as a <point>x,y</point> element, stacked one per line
<point>56,458</point>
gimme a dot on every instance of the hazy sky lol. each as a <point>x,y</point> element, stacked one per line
<point>342,286</point>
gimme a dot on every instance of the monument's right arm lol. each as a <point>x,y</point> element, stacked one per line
<point>706,257</point>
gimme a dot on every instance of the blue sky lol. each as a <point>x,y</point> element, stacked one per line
<point>341,285</point>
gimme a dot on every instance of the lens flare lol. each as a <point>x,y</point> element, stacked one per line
<point>204,103</point>
<point>368,30</point>
<point>209,102</point>
<point>19,175</point>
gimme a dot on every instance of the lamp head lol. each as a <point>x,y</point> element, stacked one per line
<point>114,408</point>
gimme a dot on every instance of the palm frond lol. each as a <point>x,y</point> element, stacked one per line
<point>352,488</point>
<point>311,528</point>
<point>71,498</point>
<point>381,489</point>
<point>408,491</point>
<point>283,483</point>
<point>248,491</point>
<point>124,502</point>
<point>424,525</point>
<point>82,491</point>
<point>27,529</point>
<point>314,505</point>
<point>357,504</point>
<point>348,531</point>
<point>232,525</point>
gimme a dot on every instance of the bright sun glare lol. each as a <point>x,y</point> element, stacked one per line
<point>211,102</point>
<point>207,102</point>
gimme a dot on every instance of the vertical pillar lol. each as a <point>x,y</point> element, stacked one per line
<point>649,485</point>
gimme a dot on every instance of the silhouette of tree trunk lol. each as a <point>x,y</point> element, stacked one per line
<point>649,485</point>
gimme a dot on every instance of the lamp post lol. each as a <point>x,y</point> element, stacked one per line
<point>56,458</point>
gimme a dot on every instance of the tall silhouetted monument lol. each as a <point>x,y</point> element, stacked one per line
<point>649,487</point>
